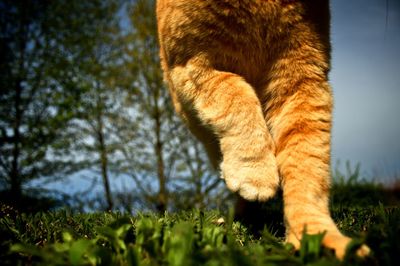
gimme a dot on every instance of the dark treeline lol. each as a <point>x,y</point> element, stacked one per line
<point>82,92</point>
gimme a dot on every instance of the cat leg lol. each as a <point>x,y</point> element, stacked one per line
<point>301,124</point>
<point>227,105</point>
<point>200,131</point>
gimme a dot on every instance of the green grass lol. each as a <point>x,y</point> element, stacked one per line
<point>186,238</point>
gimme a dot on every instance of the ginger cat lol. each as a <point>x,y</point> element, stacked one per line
<point>249,78</point>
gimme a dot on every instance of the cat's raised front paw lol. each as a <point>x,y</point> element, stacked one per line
<point>252,180</point>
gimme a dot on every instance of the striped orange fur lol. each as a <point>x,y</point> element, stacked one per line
<point>249,78</point>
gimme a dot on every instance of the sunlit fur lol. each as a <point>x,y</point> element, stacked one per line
<point>249,78</point>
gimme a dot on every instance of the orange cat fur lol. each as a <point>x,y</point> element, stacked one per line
<point>249,78</point>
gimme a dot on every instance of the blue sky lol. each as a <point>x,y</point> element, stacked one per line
<point>365,78</point>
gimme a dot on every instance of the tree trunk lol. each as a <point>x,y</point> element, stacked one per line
<point>15,175</point>
<point>103,156</point>
<point>162,201</point>
<point>104,172</point>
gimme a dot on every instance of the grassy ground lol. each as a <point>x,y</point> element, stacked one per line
<point>186,238</point>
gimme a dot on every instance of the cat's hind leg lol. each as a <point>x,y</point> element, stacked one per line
<point>226,104</point>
